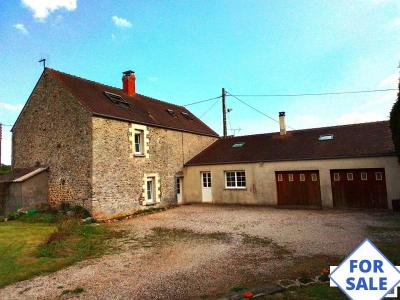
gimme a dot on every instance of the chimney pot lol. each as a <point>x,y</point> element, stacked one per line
<point>282,125</point>
<point>128,82</point>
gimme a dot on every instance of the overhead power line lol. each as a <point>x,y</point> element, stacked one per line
<point>201,101</point>
<point>210,108</point>
<point>256,109</point>
<point>315,94</point>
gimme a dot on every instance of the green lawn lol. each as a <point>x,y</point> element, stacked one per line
<point>29,249</point>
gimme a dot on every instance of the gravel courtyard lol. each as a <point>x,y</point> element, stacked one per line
<point>199,251</point>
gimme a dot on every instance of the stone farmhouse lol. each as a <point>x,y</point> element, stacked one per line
<point>115,151</point>
<point>111,150</point>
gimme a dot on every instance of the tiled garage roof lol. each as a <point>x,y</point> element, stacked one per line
<point>142,109</point>
<point>358,140</point>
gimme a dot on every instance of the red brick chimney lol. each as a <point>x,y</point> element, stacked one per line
<point>128,82</point>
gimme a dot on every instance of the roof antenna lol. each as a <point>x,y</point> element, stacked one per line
<point>43,60</point>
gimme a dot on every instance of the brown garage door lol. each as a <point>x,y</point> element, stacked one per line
<point>359,188</point>
<point>300,188</point>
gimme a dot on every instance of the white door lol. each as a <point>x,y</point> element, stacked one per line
<point>179,189</point>
<point>150,190</point>
<point>206,187</point>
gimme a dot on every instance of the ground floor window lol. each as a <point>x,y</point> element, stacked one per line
<point>235,179</point>
<point>150,190</point>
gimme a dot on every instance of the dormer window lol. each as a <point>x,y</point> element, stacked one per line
<point>117,99</point>
<point>326,137</point>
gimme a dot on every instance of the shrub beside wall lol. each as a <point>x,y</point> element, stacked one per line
<point>395,124</point>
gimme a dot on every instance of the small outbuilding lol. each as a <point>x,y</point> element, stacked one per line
<point>24,189</point>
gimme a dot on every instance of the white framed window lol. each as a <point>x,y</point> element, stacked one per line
<point>206,180</point>
<point>235,179</point>
<point>378,176</point>
<point>350,177</point>
<point>302,177</point>
<point>138,142</point>
<point>150,190</point>
<point>336,177</point>
<point>280,177</point>
<point>290,176</point>
<point>314,177</point>
<point>178,185</point>
<point>364,176</point>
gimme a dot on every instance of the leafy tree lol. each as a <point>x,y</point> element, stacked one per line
<point>395,124</point>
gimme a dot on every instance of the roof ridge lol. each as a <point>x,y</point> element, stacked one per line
<point>110,86</point>
<point>310,129</point>
<point>81,78</point>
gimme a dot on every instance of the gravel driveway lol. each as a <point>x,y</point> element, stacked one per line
<point>198,251</point>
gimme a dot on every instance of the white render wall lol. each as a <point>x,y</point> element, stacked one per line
<point>261,185</point>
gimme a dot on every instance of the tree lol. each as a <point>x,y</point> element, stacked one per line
<point>395,124</point>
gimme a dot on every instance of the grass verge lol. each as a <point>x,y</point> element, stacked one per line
<point>32,248</point>
<point>311,292</point>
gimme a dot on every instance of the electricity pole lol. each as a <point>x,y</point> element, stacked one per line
<point>224,112</point>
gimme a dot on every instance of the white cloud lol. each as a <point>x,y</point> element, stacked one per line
<point>121,22</point>
<point>391,81</point>
<point>396,23</point>
<point>14,107</point>
<point>359,117</point>
<point>42,8</point>
<point>21,27</point>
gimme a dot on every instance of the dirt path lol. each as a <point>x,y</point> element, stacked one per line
<point>198,251</point>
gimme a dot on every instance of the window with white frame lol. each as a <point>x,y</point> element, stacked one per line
<point>364,176</point>
<point>302,177</point>
<point>336,176</point>
<point>280,177</point>
<point>206,179</point>
<point>235,179</point>
<point>378,176</point>
<point>139,142</point>
<point>350,177</point>
<point>314,177</point>
<point>290,177</point>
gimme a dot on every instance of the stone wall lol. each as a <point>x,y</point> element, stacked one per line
<point>54,130</point>
<point>118,175</point>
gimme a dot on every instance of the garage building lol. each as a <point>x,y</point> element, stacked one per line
<point>349,166</point>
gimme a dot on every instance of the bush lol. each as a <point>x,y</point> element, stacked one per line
<point>395,124</point>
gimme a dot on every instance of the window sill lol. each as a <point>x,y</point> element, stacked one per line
<point>139,155</point>
<point>236,188</point>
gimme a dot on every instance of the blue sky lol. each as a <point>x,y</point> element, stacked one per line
<point>183,51</point>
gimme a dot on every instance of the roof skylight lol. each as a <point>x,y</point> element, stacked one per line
<point>238,145</point>
<point>171,112</point>
<point>186,115</point>
<point>326,137</point>
<point>117,99</point>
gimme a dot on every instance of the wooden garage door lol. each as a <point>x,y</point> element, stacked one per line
<point>300,188</point>
<point>359,188</point>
